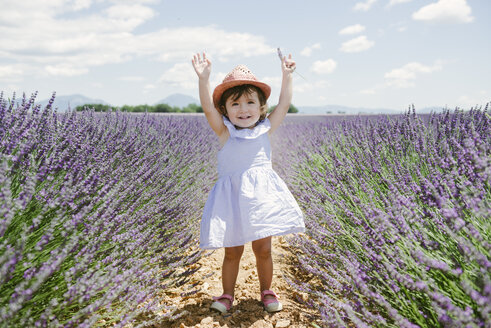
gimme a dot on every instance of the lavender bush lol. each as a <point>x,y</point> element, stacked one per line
<point>97,212</point>
<point>397,211</point>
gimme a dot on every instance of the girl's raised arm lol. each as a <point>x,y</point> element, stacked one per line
<point>276,117</point>
<point>202,67</point>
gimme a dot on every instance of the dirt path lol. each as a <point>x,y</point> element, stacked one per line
<point>193,310</point>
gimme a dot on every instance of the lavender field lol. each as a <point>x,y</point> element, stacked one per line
<point>398,214</point>
<point>99,212</point>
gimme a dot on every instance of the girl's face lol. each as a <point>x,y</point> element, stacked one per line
<point>244,112</point>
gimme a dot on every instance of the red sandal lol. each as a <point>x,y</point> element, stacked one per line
<point>222,306</point>
<point>271,305</point>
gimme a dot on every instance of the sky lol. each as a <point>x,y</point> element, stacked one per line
<point>359,53</point>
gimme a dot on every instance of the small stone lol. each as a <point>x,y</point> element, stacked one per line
<point>261,324</point>
<point>206,320</point>
<point>205,286</point>
<point>282,323</point>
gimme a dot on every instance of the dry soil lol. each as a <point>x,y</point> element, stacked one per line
<point>193,299</point>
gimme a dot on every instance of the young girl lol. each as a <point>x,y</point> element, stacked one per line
<point>249,202</point>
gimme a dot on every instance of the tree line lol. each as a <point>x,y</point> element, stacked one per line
<point>159,108</point>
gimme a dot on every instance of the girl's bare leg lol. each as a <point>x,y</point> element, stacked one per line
<point>230,269</point>
<point>264,263</point>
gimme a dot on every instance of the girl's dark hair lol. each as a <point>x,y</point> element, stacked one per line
<point>236,92</point>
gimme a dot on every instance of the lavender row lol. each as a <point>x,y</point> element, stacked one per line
<point>97,212</point>
<point>397,210</point>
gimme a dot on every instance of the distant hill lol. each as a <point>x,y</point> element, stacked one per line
<point>70,101</point>
<point>178,100</point>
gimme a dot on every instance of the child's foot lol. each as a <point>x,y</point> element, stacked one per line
<point>222,303</point>
<point>270,301</point>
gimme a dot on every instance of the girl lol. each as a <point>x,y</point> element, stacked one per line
<point>249,202</point>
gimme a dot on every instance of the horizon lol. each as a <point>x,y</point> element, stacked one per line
<point>370,54</point>
<point>327,109</point>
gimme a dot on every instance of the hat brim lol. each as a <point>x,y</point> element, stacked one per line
<point>220,89</point>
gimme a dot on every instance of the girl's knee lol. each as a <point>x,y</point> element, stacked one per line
<point>262,247</point>
<point>234,253</point>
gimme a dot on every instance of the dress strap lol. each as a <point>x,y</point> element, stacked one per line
<point>258,130</point>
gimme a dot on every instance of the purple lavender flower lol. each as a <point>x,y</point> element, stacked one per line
<point>85,199</point>
<point>397,209</point>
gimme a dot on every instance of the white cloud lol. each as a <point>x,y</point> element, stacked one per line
<point>36,32</point>
<point>358,44</point>
<point>308,50</point>
<point>11,73</point>
<point>148,88</point>
<point>81,4</point>
<point>217,78</point>
<point>324,67</point>
<point>65,70</point>
<point>183,42</point>
<point>445,11</point>
<point>404,77</point>
<point>364,6</point>
<point>305,86</point>
<point>273,81</point>
<point>180,75</point>
<point>352,29</point>
<point>396,2</point>
<point>130,16</point>
<point>301,88</point>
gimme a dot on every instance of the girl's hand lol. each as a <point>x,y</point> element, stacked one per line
<point>202,66</point>
<point>288,65</point>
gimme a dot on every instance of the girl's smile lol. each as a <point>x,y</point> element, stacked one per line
<point>244,111</point>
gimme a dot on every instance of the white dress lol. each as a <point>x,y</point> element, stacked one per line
<point>249,201</point>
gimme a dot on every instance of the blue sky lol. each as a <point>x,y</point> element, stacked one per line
<point>363,53</point>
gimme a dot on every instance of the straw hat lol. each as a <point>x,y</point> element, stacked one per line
<point>238,76</point>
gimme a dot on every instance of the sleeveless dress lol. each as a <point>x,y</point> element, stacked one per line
<point>249,201</point>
